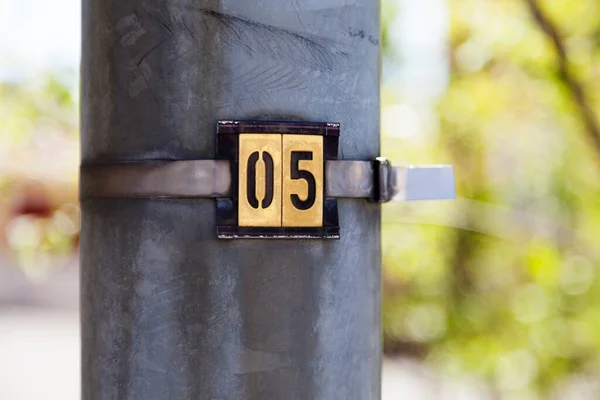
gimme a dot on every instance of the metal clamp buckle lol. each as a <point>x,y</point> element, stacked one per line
<point>382,174</point>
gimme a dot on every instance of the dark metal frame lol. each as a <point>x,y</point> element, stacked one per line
<point>227,207</point>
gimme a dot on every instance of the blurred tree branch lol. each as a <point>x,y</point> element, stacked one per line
<point>575,87</point>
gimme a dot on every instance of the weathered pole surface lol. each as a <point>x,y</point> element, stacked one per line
<point>169,311</point>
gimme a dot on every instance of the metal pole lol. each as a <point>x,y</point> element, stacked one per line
<point>169,311</point>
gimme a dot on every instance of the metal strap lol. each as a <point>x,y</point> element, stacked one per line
<point>375,180</point>
<point>156,179</point>
<point>378,181</point>
<point>434,182</point>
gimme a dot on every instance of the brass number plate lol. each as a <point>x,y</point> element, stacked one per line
<point>280,179</point>
<point>302,203</point>
<point>259,180</point>
<point>262,200</point>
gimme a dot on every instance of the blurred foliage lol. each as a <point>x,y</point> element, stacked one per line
<point>35,108</point>
<point>39,216</point>
<point>503,283</point>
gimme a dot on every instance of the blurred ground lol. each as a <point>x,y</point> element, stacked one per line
<point>39,359</point>
<point>39,351</point>
<point>39,354</point>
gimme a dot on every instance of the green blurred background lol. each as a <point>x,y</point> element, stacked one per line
<point>498,289</point>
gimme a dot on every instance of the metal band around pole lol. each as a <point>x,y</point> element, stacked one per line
<point>212,178</point>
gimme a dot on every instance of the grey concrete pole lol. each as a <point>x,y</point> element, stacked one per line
<point>169,311</point>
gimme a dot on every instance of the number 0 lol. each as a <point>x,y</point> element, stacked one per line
<point>251,180</point>
<point>259,189</point>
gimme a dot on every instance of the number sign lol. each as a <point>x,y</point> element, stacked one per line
<point>259,183</point>
<point>280,179</point>
<point>302,200</point>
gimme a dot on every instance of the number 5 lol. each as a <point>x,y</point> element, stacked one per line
<point>302,181</point>
<point>297,173</point>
